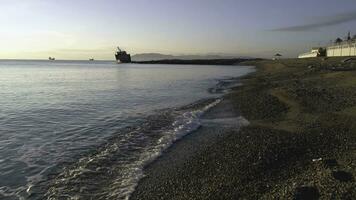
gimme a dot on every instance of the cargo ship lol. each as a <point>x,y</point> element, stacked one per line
<point>122,56</point>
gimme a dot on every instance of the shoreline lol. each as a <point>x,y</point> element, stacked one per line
<point>175,122</point>
<point>215,122</point>
<point>300,142</point>
<point>194,110</point>
<point>185,145</point>
<point>232,61</point>
<point>184,150</point>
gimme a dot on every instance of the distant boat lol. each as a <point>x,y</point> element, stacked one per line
<point>50,58</point>
<point>91,59</point>
<point>122,56</point>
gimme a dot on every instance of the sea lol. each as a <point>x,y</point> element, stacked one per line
<point>87,129</point>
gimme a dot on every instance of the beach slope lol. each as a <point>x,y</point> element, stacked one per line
<point>300,142</point>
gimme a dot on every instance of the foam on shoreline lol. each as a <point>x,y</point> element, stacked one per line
<point>121,163</point>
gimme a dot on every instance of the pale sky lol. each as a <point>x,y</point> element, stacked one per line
<point>82,29</point>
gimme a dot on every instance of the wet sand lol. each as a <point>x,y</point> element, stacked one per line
<point>300,142</point>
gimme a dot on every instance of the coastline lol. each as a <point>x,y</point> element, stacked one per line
<point>232,61</point>
<point>163,173</point>
<point>113,169</point>
<point>300,142</point>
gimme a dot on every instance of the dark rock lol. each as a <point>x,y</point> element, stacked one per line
<point>306,193</point>
<point>330,163</point>
<point>342,176</point>
<point>347,60</point>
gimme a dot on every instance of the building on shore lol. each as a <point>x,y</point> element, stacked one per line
<point>315,52</point>
<point>339,48</point>
<point>345,48</point>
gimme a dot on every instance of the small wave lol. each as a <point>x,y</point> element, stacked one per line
<point>7,192</point>
<point>224,85</point>
<point>114,171</point>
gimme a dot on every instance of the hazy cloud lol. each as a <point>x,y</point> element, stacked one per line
<point>93,50</point>
<point>323,22</point>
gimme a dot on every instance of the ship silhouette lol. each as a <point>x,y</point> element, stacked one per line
<point>122,56</point>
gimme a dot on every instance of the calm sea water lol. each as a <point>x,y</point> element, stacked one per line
<point>81,130</point>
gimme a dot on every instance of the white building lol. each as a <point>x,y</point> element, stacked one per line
<point>315,52</point>
<point>346,48</point>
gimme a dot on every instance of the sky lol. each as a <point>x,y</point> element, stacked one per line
<point>82,29</point>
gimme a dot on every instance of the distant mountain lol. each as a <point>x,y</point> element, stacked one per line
<point>158,56</point>
<point>151,56</point>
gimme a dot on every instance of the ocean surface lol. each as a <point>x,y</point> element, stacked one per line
<point>85,130</point>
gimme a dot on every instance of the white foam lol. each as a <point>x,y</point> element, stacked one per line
<point>132,171</point>
<point>184,124</point>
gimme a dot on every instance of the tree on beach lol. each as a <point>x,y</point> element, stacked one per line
<point>277,56</point>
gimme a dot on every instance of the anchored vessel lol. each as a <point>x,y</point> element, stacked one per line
<point>122,56</point>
